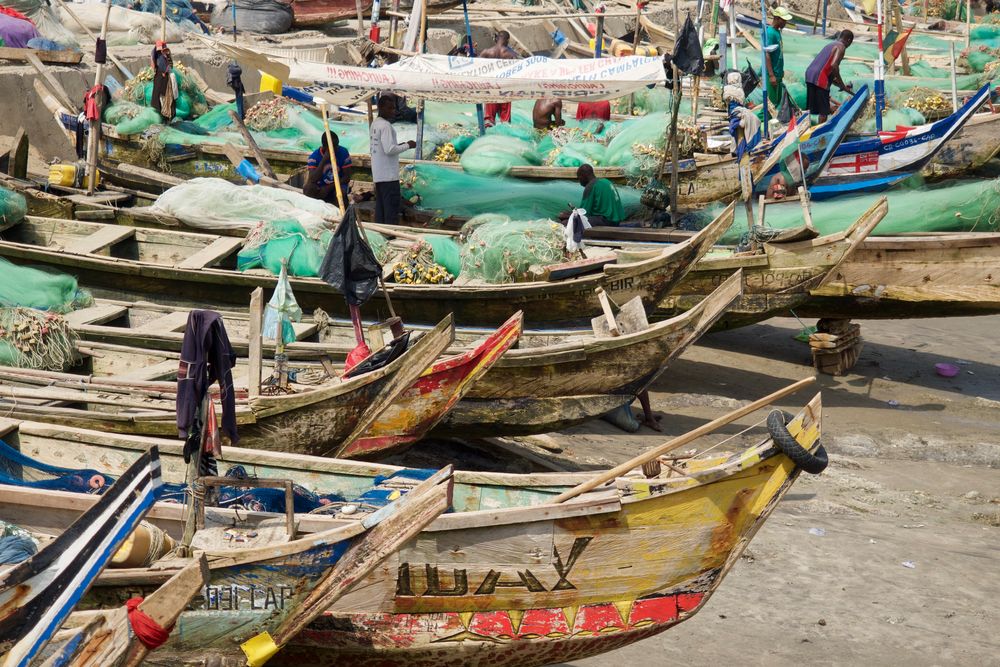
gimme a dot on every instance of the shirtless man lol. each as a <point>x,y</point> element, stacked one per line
<point>499,51</point>
<point>547,113</point>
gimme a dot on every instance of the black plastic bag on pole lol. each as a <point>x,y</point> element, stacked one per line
<point>349,265</point>
<point>687,55</point>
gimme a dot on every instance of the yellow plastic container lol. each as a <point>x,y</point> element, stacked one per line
<point>269,84</point>
<point>626,50</point>
<point>606,50</point>
<point>62,174</point>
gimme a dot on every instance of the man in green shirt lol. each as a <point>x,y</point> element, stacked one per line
<point>774,56</point>
<point>600,199</point>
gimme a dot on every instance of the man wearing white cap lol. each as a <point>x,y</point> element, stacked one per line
<point>774,55</point>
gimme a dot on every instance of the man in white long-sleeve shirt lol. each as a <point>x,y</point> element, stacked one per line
<point>385,150</point>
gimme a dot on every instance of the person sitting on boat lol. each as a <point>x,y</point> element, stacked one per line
<point>384,150</point>
<point>600,200</point>
<point>164,84</point>
<point>319,182</point>
<point>823,72</point>
<point>500,51</point>
<point>774,56</point>
<point>547,113</point>
<point>777,189</point>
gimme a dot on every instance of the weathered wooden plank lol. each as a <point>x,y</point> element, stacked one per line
<point>174,321</point>
<point>161,371</point>
<point>219,249</point>
<point>98,314</point>
<point>105,237</point>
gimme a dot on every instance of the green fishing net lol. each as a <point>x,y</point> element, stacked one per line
<point>42,289</point>
<point>446,251</point>
<point>190,101</point>
<point>379,245</point>
<point>13,206</point>
<point>501,250</point>
<point>454,192</point>
<point>271,243</point>
<point>956,206</point>
<point>497,154</point>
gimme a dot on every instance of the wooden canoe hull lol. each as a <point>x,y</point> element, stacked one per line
<point>562,302</point>
<point>432,396</point>
<point>311,13</point>
<point>977,143</point>
<point>933,275</point>
<point>484,418</point>
<point>524,585</point>
<point>775,281</point>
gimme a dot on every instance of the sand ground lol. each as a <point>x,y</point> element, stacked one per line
<point>892,555</point>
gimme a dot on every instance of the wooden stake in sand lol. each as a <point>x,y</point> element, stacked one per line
<point>93,140</point>
<point>680,441</point>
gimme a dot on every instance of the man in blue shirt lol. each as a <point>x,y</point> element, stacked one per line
<point>319,183</point>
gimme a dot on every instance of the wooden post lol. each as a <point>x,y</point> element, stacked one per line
<point>262,162</point>
<point>421,48</point>
<point>680,441</point>
<point>361,18</point>
<point>163,21</point>
<point>599,37</point>
<point>816,15</point>
<point>394,23</point>
<point>333,157</point>
<point>93,140</point>
<point>17,157</point>
<point>925,12</point>
<point>954,80</point>
<point>255,361</point>
<point>674,148</point>
<point>968,22</point>
<point>635,48</point>
<point>897,19</point>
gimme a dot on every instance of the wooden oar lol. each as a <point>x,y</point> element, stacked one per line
<point>680,441</point>
<point>394,525</point>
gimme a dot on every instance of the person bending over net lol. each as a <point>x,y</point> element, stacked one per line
<point>600,200</point>
<point>547,113</point>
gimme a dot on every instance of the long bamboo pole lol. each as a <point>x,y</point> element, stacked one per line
<point>333,156</point>
<point>680,441</point>
<point>163,21</point>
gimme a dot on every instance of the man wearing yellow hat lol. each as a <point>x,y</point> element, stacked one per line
<point>774,54</point>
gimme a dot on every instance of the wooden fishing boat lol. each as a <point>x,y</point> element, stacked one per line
<point>509,578</point>
<point>315,13</point>
<point>356,416</point>
<point>556,378</point>
<point>103,398</point>
<point>38,594</point>
<point>186,268</point>
<point>538,390</point>
<point>776,279</point>
<point>871,164</point>
<point>976,143</point>
<point>289,581</point>
<point>107,638</point>
<point>918,275</point>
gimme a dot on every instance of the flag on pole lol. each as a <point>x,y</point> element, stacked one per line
<point>281,311</point>
<point>893,45</point>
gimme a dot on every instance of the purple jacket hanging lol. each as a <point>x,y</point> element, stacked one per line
<point>206,357</point>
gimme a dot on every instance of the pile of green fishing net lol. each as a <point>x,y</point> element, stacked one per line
<point>454,192</point>
<point>956,206</point>
<point>33,332</point>
<point>499,250</point>
<point>190,102</point>
<point>13,206</point>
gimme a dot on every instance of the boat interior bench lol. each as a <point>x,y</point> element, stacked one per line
<point>99,241</point>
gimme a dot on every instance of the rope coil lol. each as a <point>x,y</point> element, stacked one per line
<point>149,632</point>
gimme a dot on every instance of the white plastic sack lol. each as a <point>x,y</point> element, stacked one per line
<point>214,204</point>
<point>140,27</point>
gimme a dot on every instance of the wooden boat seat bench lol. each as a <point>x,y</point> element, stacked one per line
<point>213,253</point>
<point>100,240</point>
<point>99,314</point>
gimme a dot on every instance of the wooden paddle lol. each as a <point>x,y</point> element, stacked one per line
<point>680,441</point>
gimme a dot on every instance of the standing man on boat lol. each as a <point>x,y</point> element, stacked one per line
<point>319,182</point>
<point>385,150</point>
<point>499,51</point>
<point>600,200</point>
<point>774,56</point>
<point>824,71</point>
<point>547,113</point>
<point>164,85</point>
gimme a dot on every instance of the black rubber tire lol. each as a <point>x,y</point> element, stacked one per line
<point>811,463</point>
